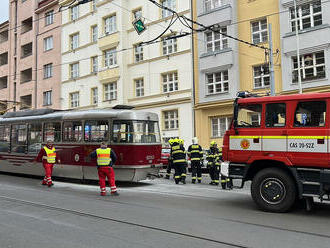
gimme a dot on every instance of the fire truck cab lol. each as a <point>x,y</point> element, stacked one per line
<point>281,144</point>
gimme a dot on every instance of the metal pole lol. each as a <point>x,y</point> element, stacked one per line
<point>271,63</point>
<point>298,47</point>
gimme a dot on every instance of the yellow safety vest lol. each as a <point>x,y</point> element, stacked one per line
<point>51,155</point>
<point>103,156</point>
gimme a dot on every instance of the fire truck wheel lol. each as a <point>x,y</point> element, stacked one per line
<point>273,190</point>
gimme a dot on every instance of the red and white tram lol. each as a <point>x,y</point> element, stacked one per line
<point>133,135</point>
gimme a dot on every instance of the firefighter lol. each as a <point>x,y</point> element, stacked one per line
<point>106,158</point>
<point>226,182</point>
<point>213,163</point>
<point>179,161</point>
<point>195,154</point>
<point>170,162</point>
<point>48,156</point>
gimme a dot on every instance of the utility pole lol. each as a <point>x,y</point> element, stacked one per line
<point>298,46</point>
<point>271,63</point>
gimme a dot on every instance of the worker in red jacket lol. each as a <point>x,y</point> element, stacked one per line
<point>105,157</point>
<point>48,157</point>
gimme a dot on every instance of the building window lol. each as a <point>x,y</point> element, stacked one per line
<point>259,31</point>
<point>309,15</point>
<point>139,87</point>
<point>94,5</point>
<point>255,119</point>
<point>170,82</point>
<point>312,66</point>
<point>169,45</point>
<point>171,120</point>
<point>48,70</point>
<point>211,4</point>
<point>74,70</point>
<point>110,91</point>
<point>261,76</point>
<point>74,99</point>
<point>217,82</point>
<point>138,53</point>
<point>94,33</point>
<point>219,125</point>
<point>48,43</point>
<point>169,4</point>
<point>47,96</point>
<point>74,41</point>
<point>74,15</point>
<point>110,57</point>
<point>94,62</point>
<point>95,96</point>
<point>110,25</point>
<point>49,18</point>
<point>137,13</point>
<point>216,41</point>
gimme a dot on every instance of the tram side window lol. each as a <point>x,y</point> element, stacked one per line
<point>122,132</point>
<point>72,131</point>
<point>18,138</point>
<point>34,137</point>
<point>52,131</point>
<point>275,114</point>
<point>310,114</point>
<point>249,115</point>
<point>96,131</point>
<point>4,138</point>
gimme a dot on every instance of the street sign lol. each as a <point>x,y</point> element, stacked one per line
<point>139,25</point>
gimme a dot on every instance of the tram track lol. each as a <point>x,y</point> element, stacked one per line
<point>94,216</point>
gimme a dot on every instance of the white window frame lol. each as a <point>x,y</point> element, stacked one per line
<point>139,87</point>
<point>48,70</point>
<point>74,12</point>
<point>136,15</point>
<point>170,82</point>
<point>169,46</point>
<point>110,25</point>
<point>48,43</point>
<point>94,33</point>
<point>217,129</point>
<point>262,76</point>
<point>138,53</point>
<point>211,4</point>
<point>171,4</point>
<point>218,41</point>
<point>310,16</point>
<point>74,70</point>
<point>94,64</point>
<point>308,61</point>
<point>216,83</point>
<point>110,58</point>
<point>74,41</point>
<point>95,96</point>
<point>110,91</point>
<point>47,98</point>
<point>49,18</point>
<point>74,99</point>
<point>171,117</point>
<point>260,32</point>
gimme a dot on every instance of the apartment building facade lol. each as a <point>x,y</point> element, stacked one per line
<point>313,21</point>
<point>105,65</point>
<point>33,35</point>
<point>4,65</point>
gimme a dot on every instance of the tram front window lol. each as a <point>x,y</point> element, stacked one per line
<point>135,132</point>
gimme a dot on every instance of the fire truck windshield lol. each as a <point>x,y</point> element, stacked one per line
<point>249,115</point>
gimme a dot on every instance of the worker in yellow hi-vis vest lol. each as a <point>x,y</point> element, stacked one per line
<point>49,157</point>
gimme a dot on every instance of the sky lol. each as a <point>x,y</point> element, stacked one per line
<point>4,11</point>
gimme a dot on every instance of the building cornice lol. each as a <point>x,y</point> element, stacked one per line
<point>178,92</point>
<point>79,48</point>
<point>163,103</point>
<point>208,105</point>
<point>78,78</point>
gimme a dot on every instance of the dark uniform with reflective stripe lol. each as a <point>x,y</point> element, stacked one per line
<point>178,155</point>
<point>195,153</point>
<point>213,165</point>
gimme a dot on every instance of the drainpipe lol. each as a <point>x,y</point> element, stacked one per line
<point>36,64</point>
<point>193,72</point>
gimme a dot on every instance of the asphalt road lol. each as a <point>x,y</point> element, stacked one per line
<point>155,213</point>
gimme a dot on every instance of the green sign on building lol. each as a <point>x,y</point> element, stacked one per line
<point>139,26</point>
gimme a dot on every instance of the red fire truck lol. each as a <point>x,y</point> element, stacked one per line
<point>281,144</point>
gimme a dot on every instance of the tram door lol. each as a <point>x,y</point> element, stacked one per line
<point>19,138</point>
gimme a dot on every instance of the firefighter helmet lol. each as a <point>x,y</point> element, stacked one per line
<point>213,143</point>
